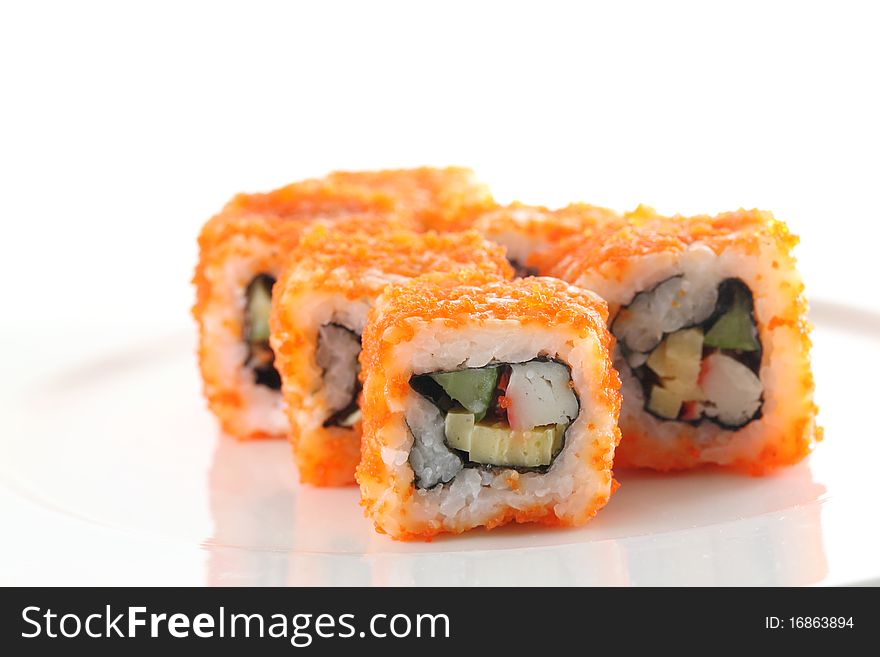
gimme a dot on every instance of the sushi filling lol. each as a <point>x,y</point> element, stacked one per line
<point>337,355</point>
<point>260,357</point>
<point>520,270</point>
<point>504,415</point>
<point>694,348</point>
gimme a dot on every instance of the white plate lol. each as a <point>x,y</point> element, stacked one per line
<point>113,473</point>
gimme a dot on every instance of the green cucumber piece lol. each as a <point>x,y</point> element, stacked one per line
<point>735,328</point>
<point>472,388</point>
<point>259,307</point>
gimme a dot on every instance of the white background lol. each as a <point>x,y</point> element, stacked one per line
<point>125,125</point>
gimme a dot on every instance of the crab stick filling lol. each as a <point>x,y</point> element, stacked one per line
<point>694,348</point>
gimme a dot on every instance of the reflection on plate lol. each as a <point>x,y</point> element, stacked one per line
<point>122,450</point>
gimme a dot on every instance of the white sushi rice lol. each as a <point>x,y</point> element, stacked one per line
<point>225,351</point>
<point>473,495</point>
<point>263,409</point>
<point>733,392</point>
<point>519,244</point>
<point>781,365</point>
<point>318,310</point>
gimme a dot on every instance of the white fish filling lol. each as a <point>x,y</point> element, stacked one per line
<point>673,304</point>
<point>337,354</point>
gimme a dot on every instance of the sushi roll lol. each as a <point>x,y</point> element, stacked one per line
<point>321,305</point>
<point>241,252</point>
<point>528,231</point>
<point>486,403</point>
<point>445,199</point>
<point>713,342</point>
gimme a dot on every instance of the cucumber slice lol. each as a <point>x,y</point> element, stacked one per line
<point>472,388</point>
<point>735,328</point>
<point>258,309</point>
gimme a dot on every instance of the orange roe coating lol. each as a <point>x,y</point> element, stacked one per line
<point>279,218</point>
<point>436,198</point>
<point>361,264</point>
<point>787,448</point>
<point>298,202</point>
<point>263,228</point>
<point>542,227</point>
<point>280,235</point>
<point>611,249</point>
<point>464,297</point>
<point>612,254</point>
<point>445,199</point>
<point>461,300</point>
<point>263,241</point>
<point>358,266</point>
